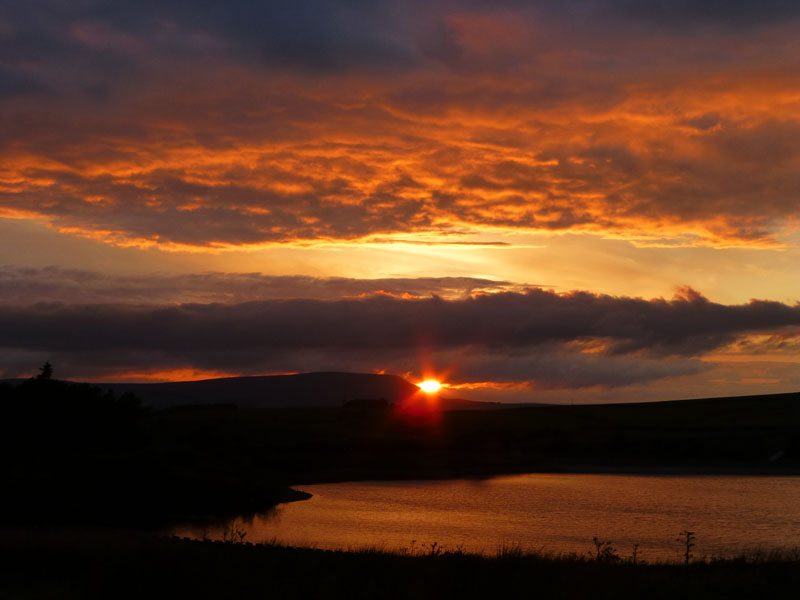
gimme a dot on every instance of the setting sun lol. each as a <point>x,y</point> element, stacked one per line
<point>429,386</point>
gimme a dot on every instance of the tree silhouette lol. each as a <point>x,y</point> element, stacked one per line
<point>45,371</point>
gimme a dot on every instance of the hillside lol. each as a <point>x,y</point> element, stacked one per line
<point>271,391</point>
<point>325,389</point>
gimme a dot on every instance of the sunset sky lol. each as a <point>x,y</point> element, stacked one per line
<point>558,201</point>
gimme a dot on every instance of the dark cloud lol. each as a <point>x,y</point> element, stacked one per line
<point>14,82</point>
<point>318,35</point>
<point>688,13</point>
<point>552,366</point>
<point>657,12</point>
<point>703,122</point>
<point>507,336</point>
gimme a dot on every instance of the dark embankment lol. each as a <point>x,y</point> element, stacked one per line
<point>73,454</point>
<point>117,565</point>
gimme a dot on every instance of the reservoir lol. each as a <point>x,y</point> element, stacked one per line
<point>553,513</point>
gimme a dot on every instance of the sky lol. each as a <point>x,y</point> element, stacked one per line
<point>543,201</point>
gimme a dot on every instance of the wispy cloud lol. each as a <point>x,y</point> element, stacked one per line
<point>21,286</point>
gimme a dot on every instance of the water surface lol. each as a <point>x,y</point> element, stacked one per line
<point>556,513</point>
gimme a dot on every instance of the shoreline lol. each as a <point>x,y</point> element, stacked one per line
<point>295,493</point>
<point>743,470</point>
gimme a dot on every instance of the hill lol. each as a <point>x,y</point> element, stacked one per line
<point>325,389</point>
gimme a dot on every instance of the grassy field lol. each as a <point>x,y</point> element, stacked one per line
<point>313,445</point>
<point>115,564</point>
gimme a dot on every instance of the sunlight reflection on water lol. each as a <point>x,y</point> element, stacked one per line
<point>553,512</point>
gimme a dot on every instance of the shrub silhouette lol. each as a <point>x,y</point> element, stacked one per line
<point>687,540</point>
<point>604,551</point>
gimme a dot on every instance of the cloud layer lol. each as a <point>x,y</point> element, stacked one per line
<point>535,337</point>
<point>20,285</point>
<point>235,124</point>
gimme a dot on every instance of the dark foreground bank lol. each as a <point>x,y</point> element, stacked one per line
<point>92,564</point>
<point>73,454</point>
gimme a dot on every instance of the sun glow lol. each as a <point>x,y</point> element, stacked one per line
<point>429,386</point>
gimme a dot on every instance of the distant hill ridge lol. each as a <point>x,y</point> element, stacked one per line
<point>334,389</point>
<point>331,389</point>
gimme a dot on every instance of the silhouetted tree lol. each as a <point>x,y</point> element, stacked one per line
<point>45,371</point>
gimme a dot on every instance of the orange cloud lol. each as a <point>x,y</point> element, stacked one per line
<point>153,376</point>
<point>505,119</point>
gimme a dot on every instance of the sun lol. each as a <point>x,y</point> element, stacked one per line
<point>429,386</point>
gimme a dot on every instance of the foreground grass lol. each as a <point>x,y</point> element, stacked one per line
<point>108,564</point>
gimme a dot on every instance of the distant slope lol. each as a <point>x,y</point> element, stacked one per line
<point>461,404</point>
<point>764,410</point>
<point>275,391</point>
<point>332,389</point>
<point>304,389</point>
